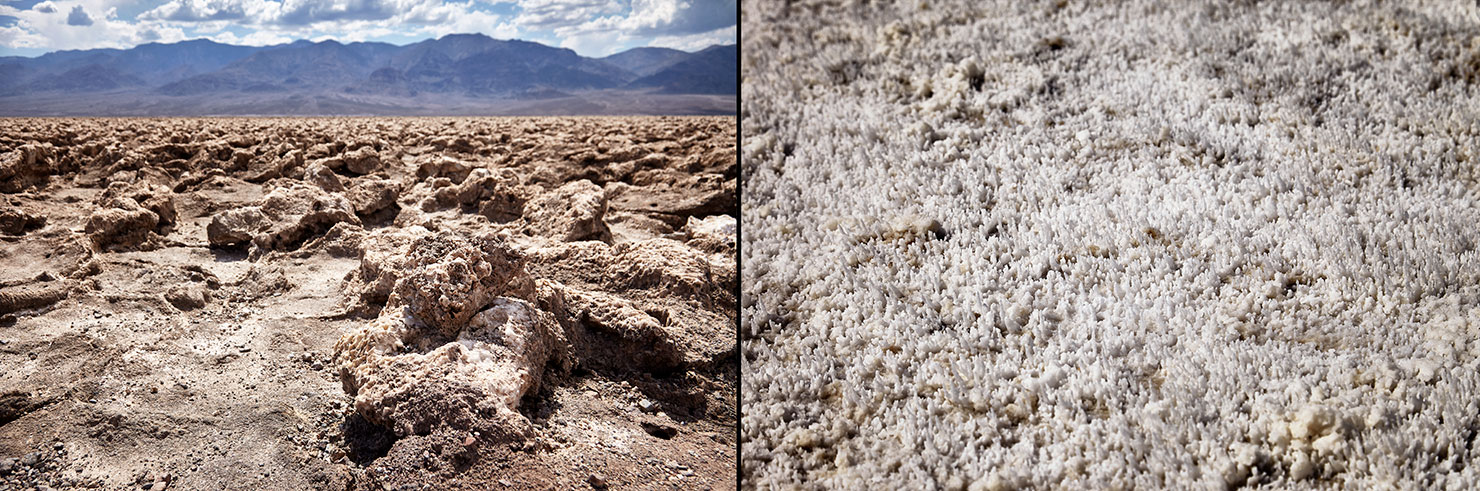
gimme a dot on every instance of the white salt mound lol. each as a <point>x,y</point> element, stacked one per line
<point>992,245</point>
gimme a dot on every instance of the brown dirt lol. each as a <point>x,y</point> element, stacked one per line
<point>180,301</point>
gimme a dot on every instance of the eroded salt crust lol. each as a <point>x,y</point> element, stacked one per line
<point>447,349</point>
<point>991,245</point>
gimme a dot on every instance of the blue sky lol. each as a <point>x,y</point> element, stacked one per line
<point>590,27</point>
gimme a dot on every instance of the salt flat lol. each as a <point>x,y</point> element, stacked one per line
<point>1139,244</point>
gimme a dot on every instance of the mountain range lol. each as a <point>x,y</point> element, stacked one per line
<point>454,74</point>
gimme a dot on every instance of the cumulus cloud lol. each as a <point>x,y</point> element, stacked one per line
<point>35,29</point>
<point>78,17</point>
<point>302,12</point>
<point>334,15</point>
<point>664,18</point>
<point>550,14</point>
<point>473,21</point>
<point>672,23</point>
<point>695,42</point>
<point>256,38</point>
<point>197,10</point>
<point>599,43</point>
<point>591,27</point>
<point>18,37</point>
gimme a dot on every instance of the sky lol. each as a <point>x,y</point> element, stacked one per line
<point>590,27</point>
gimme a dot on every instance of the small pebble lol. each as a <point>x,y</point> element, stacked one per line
<point>33,458</point>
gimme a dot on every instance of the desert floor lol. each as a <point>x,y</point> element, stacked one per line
<point>368,303</point>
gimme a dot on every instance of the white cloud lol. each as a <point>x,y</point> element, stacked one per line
<point>53,31</point>
<point>598,43</point>
<point>651,14</point>
<point>695,42</point>
<point>78,17</point>
<point>591,27</point>
<point>200,10</point>
<point>674,22</point>
<point>256,38</point>
<point>326,15</point>
<point>474,21</point>
<point>358,20</point>
<point>17,36</point>
<point>550,14</point>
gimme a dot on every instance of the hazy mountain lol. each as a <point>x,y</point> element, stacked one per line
<point>157,62</point>
<point>711,71</point>
<point>479,65</point>
<point>109,69</point>
<point>92,77</point>
<point>300,66</point>
<point>457,71</point>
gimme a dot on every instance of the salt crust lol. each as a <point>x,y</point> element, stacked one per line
<point>991,245</point>
<point>448,348</point>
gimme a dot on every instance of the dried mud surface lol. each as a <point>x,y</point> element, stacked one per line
<point>368,303</point>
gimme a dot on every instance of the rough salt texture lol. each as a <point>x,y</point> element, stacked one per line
<point>635,307</point>
<point>448,348</point>
<point>496,195</point>
<point>664,265</point>
<point>571,212</point>
<point>414,383</point>
<point>384,255</point>
<point>284,220</point>
<point>363,160</point>
<point>236,226</point>
<point>1137,244</point>
<point>18,222</point>
<point>714,234</point>
<point>454,277</point>
<point>131,216</point>
<point>25,167</point>
<point>373,195</point>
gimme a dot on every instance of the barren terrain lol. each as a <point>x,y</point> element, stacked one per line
<point>1141,244</point>
<point>368,303</point>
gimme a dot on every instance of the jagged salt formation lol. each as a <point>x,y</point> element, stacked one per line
<point>449,349</point>
<point>992,245</point>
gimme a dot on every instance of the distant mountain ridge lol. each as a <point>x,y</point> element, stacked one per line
<point>453,67</point>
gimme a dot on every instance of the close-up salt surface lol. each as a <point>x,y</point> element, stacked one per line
<point>995,245</point>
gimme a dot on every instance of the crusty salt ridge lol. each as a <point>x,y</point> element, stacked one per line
<point>990,245</point>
